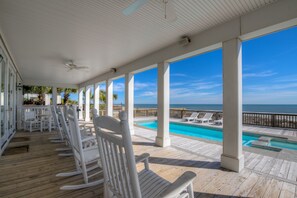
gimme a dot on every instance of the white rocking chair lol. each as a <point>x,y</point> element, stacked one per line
<point>59,138</point>
<point>86,158</point>
<point>119,165</point>
<point>65,131</point>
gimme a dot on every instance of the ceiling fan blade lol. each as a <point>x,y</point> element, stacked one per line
<point>134,7</point>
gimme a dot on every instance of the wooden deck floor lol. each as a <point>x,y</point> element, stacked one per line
<point>32,174</point>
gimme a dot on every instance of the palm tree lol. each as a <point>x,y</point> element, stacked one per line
<point>67,92</point>
<point>102,96</point>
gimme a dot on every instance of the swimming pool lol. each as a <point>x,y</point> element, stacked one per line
<point>213,134</point>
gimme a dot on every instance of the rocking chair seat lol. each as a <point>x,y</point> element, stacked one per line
<point>151,184</point>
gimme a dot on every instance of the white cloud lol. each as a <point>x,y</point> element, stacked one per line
<point>178,75</point>
<point>259,74</point>
<point>271,87</point>
<point>205,85</point>
<point>118,87</point>
<point>140,86</point>
<point>148,94</point>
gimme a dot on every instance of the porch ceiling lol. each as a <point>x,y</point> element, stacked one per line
<point>43,35</point>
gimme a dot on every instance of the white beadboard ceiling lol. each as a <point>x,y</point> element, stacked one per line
<point>43,34</point>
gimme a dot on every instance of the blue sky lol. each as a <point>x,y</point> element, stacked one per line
<point>269,75</point>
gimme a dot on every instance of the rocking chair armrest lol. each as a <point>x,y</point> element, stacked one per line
<point>178,185</point>
<point>143,158</point>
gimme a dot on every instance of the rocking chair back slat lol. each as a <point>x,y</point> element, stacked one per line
<point>56,121</point>
<point>75,134</point>
<point>117,156</point>
<point>65,129</point>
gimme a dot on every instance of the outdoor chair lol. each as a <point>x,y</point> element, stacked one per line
<point>31,123</point>
<point>60,137</point>
<point>218,122</point>
<point>192,117</point>
<point>86,157</point>
<point>206,118</point>
<point>121,178</point>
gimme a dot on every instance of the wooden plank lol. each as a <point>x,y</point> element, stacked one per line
<point>273,189</point>
<point>287,191</point>
<point>247,185</point>
<point>260,187</point>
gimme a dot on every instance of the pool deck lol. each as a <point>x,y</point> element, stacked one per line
<point>32,174</point>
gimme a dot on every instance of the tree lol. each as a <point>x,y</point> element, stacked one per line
<point>102,96</point>
<point>67,92</point>
<point>40,90</point>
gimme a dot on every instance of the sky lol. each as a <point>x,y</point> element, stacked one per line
<point>269,75</point>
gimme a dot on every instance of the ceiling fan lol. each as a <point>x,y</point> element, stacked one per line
<point>71,66</point>
<point>169,11</point>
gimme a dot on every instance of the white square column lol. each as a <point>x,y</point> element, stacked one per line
<point>80,103</point>
<point>109,98</point>
<point>96,97</point>
<point>87,106</point>
<point>54,95</point>
<point>232,157</point>
<point>163,138</point>
<point>129,100</point>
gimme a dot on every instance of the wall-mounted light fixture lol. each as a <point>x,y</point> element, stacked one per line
<point>113,70</point>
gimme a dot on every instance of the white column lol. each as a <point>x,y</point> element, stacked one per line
<point>232,157</point>
<point>80,103</point>
<point>54,95</point>
<point>109,97</point>
<point>96,97</point>
<point>163,138</point>
<point>129,100</point>
<point>87,106</point>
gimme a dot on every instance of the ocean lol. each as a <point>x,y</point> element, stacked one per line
<point>217,107</point>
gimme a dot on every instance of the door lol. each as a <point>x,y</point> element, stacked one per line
<point>11,102</point>
<point>3,135</point>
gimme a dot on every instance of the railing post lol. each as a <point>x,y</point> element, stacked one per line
<point>272,120</point>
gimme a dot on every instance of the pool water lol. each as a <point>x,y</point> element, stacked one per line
<point>212,134</point>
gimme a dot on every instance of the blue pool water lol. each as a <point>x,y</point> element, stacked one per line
<point>212,134</point>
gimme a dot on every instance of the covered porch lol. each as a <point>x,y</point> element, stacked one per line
<point>223,170</point>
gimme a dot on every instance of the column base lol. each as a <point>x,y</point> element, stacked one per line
<point>231,163</point>
<point>163,141</point>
